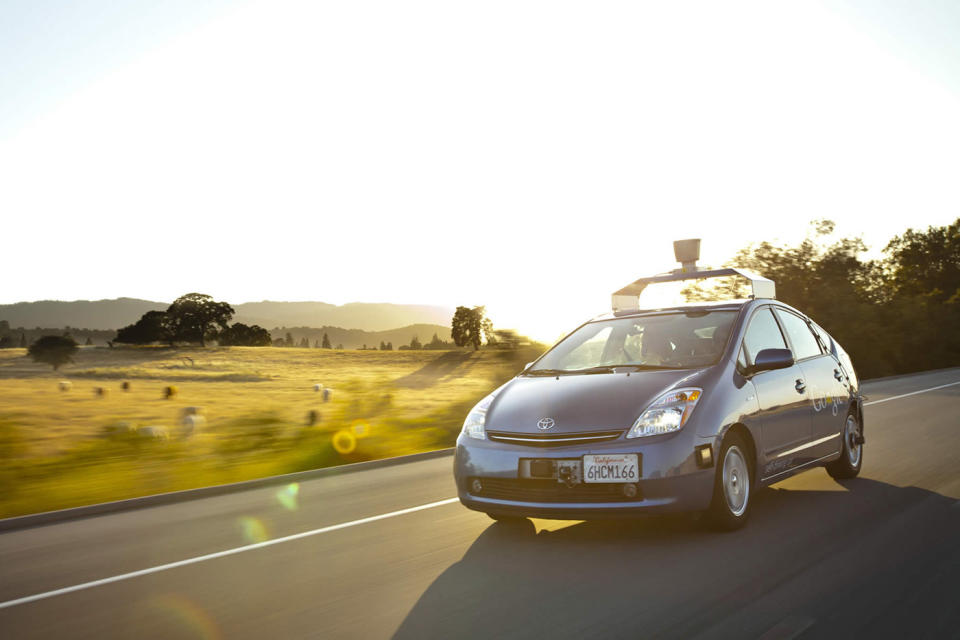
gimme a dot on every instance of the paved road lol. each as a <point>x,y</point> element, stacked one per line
<point>878,556</point>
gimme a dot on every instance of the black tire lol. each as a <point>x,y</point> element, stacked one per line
<point>850,462</point>
<point>729,513</point>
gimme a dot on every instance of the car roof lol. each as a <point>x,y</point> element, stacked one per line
<point>713,305</point>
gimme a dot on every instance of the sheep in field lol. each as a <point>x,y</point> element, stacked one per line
<point>190,424</point>
<point>156,432</point>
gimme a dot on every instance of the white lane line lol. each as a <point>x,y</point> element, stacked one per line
<point>220,554</point>
<point>912,393</point>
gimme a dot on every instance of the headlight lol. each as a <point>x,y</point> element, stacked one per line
<point>667,413</point>
<point>477,418</point>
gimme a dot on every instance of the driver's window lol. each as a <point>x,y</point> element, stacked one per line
<point>763,333</point>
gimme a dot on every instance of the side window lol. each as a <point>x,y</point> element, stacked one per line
<point>763,333</point>
<point>804,343</point>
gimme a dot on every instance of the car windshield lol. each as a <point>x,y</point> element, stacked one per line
<point>680,340</point>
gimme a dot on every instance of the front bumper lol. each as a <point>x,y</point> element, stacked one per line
<point>670,478</point>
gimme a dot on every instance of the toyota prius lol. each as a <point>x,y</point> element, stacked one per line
<point>686,408</point>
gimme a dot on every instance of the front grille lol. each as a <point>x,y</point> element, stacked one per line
<point>554,439</point>
<point>534,490</point>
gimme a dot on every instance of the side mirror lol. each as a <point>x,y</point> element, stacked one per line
<point>770,359</point>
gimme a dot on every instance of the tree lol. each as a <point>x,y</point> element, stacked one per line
<point>895,314</point>
<point>486,326</point>
<point>415,343</point>
<point>53,350</point>
<point>288,340</point>
<point>326,341</point>
<point>436,343</point>
<point>89,342</point>
<point>925,263</point>
<point>197,317</point>
<point>153,326</point>
<point>304,342</point>
<point>23,340</point>
<point>383,346</point>
<point>6,342</point>
<point>470,326</point>
<point>340,346</point>
<point>240,335</point>
<point>389,346</point>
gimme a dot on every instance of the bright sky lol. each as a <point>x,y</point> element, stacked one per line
<point>530,156</point>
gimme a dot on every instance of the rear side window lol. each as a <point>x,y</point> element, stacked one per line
<point>763,333</point>
<point>804,343</point>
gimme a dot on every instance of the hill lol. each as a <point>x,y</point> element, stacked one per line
<point>86,314</point>
<point>113,314</point>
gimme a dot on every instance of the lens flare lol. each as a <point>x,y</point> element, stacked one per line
<point>253,529</point>
<point>287,496</point>
<point>344,442</point>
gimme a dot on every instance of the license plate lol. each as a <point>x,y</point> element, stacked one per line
<point>619,467</point>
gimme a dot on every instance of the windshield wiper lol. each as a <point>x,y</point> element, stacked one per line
<point>547,372</point>
<point>611,368</point>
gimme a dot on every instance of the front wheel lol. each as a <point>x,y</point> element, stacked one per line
<point>731,491</point>
<point>851,456</point>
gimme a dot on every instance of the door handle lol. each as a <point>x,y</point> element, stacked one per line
<point>801,386</point>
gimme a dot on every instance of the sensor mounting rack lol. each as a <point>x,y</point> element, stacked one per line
<point>628,298</point>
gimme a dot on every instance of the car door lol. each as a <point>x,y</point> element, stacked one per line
<point>784,408</point>
<point>827,394</point>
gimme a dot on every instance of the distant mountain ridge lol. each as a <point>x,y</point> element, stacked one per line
<point>119,312</point>
<point>368,316</point>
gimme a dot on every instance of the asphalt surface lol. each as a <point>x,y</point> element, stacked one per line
<point>878,556</point>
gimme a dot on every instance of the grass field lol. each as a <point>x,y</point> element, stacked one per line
<point>67,448</point>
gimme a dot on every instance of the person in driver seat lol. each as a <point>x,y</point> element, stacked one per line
<point>656,348</point>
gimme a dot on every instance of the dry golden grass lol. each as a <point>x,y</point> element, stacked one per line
<point>66,448</point>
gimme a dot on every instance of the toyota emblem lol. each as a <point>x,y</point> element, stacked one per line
<point>545,423</point>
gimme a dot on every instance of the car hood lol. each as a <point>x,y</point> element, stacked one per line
<point>580,403</point>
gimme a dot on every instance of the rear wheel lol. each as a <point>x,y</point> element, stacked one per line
<point>851,456</point>
<point>730,506</point>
